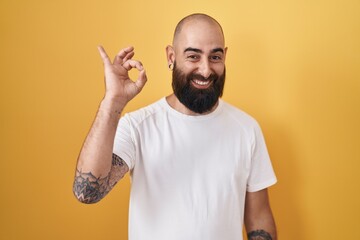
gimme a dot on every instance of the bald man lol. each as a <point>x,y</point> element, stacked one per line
<point>199,166</point>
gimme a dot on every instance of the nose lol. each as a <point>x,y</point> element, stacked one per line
<point>205,68</point>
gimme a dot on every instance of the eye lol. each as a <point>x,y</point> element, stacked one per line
<point>193,57</point>
<point>215,58</point>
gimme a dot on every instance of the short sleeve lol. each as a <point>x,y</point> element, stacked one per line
<point>261,171</point>
<point>124,143</point>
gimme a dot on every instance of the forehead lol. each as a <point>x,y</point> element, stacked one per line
<point>204,35</point>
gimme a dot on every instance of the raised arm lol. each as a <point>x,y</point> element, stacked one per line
<point>98,169</point>
<point>259,221</point>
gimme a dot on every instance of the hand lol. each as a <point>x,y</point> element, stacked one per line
<point>119,86</point>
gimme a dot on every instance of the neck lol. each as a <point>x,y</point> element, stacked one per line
<point>174,102</point>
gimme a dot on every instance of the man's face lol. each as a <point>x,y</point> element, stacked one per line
<point>198,99</point>
<point>199,66</point>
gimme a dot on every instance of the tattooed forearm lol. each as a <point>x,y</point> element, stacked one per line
<point>91,189</point>
<point>259,235</point>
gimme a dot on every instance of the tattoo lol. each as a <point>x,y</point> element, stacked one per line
<point>259,235</point>
<point>118,170</point>
<point>117,161</point>
<point>91,189</point>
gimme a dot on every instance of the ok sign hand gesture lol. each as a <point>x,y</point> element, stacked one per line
<point>119,86</point>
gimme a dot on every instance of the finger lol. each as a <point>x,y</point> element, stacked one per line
<point>142,79</point>
<point>129,64</point>
<point>120,58</point>
<point>104,56</point>
<point>128,56</point>
<point>123,55</point>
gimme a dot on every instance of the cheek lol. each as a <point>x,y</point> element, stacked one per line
<point>188,67</point>
<point>219,69</point>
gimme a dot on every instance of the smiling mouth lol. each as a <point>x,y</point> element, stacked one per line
<point>201,83</point>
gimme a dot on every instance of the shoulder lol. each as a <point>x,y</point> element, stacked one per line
<point>148,112</point>
<point>238,115</point>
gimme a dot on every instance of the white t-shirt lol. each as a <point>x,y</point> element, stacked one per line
<point>190,174</point>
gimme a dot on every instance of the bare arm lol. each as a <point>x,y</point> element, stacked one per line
<point>98,169</point>
<point>90,189</point>
<point>259,221</point>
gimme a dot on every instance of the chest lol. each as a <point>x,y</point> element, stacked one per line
<point>196,152</point>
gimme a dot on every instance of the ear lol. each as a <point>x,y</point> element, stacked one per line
<point>170,54</point>
<point>225,51</point>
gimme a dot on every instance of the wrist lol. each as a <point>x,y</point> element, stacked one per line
<point>112,105</point>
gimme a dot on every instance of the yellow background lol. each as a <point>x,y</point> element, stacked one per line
<point>293,65</point>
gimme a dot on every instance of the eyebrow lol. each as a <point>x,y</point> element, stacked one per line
<point>190,49</point>
<point>217,50</point>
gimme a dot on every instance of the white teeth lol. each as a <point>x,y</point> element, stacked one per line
<point>202,83</point>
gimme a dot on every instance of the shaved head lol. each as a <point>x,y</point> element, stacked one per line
<point>195,18</point>
<point>198,59</point>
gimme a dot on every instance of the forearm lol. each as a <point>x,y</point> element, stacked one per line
<point>96,162</point>
<point>96,153</point>
<point>259,220</point>
<point>261,229</point>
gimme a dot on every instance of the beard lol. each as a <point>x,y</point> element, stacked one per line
<point>197,100</point>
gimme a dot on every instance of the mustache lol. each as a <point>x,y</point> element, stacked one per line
<point>212,77</point>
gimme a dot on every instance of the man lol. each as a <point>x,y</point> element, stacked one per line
<point>198,165</point>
